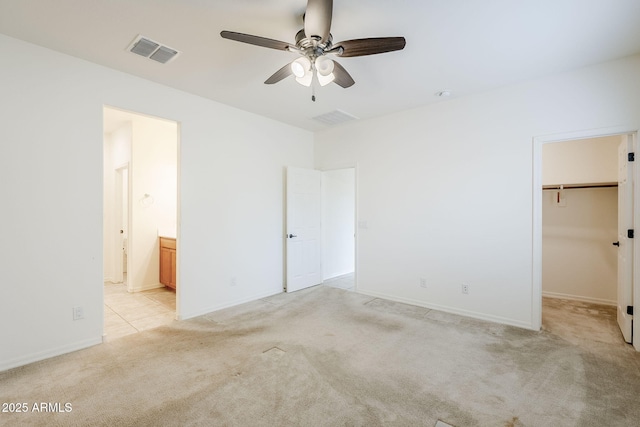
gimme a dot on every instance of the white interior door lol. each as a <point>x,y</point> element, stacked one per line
<point>303,228</point>
<point>625,245</point>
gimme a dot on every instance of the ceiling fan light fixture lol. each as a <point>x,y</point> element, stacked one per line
<point>324,66</point>
<point>306,80</point>
<point>325,80</point>
<point>301,67</point>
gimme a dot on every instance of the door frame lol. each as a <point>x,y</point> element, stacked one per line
<point>129,164</point>
<point>353,166</point>
<point>538,142</point>
<point>355,217</point>
<point>118,206</point>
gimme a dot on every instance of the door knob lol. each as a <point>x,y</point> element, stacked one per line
<point>292,236</point>
<point>616,244</point>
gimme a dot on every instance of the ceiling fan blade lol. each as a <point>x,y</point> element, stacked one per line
<point>281,74</point>
<point>342,76</point>
<point>371,46</point>
<point>317,18</point>
<point>255,40</point>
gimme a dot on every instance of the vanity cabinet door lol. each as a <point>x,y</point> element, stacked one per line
<point>172,263</point>
<point>168,262</point>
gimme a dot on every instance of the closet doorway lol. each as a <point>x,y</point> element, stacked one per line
<point>585,266</point>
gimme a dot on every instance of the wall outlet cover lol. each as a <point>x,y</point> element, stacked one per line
<point>78,313</point>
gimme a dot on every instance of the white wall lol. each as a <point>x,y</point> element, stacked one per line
<point>578,259</point>
<point>51,163</point>
<point>446,189</point>
<point>584,161</point>
<point>338,222</point>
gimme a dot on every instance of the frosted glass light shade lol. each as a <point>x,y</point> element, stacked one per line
<point>306,79</point>
<point>325,70</point>
<point>300,67</point>
<point>324,66</point>
<point>325,80</point>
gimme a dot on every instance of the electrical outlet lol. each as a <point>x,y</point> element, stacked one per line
<point>465,288</point>
<point>423,282</point>
<point>233,281</point>
<point>78,313</point>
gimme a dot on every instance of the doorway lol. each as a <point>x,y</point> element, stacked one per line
<point>320,228</point>
<point>338,231</point>
<point>574,255</point>
<point>140,207</point>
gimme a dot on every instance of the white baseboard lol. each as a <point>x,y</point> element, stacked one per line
<point>579,298</point>
<point>147,287</point>
<point>42,355</point>
<point>233,303</point>
<point>338,276</point>
<point>452,310</point>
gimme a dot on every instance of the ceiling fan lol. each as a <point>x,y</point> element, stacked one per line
<point>313,43</point>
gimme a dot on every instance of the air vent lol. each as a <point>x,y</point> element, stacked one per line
<point>163,54</point>
<point>335,118</point>
<point>153,50</point>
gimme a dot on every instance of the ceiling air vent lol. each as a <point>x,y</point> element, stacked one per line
<point>335,118</point>
<point>153,50</point>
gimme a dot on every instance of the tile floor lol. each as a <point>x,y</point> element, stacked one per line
<point>345,281</point>
<point>129,313</point>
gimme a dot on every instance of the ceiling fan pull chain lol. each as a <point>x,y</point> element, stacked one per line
<point>313,92</point>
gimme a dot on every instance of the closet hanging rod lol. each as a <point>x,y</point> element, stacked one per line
<point>576,186</point>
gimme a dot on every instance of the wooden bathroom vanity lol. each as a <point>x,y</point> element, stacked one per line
<point>168,262</point>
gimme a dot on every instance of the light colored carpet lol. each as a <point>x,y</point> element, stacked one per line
<point>328,357</point>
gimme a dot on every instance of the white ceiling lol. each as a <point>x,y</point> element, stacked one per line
<point>466,46</point>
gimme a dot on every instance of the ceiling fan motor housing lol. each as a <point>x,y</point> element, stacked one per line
<point>312,46</point>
